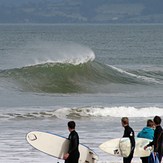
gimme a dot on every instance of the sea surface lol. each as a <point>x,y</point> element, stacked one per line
<point>92,74</point>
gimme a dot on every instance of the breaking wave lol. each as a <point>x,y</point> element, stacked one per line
<point>69,68</point>
<point>86,112</point>
<point>88,77</point>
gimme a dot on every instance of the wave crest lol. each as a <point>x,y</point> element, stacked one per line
<point>65,53</point>
<point>42,52</point>
<point>121,111</point>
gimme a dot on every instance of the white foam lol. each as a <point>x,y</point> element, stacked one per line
<point>41,52</point>
<point>109,111</point>
<point>68,52</point>
<point>79,112</point>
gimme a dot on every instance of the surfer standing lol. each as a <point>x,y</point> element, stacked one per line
<point>73,152</point>
<point>158,138</point>
<point>148,133</point>
<point>128,132</point>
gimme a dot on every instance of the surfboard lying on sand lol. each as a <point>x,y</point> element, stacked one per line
<point>122,147</point>
<point>57,146</point>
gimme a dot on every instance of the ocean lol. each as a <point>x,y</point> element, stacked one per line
<point>92,74</point>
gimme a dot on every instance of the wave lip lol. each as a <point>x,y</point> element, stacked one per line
<point>43,52</point>
<point>65,53</point>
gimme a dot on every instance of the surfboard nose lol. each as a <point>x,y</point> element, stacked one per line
<point>32,136</point>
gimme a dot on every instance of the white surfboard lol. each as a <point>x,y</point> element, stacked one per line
<point>57,146</point>
<point>122,147</point>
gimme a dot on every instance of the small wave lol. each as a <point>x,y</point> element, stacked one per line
<point>32,115</point>
<point>121,111</point>
<point>87,112</point>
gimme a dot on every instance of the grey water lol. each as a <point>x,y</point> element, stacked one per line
<point>93,74</point>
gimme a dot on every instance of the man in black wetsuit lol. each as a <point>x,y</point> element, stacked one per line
<point>158,138</point>
<point>128,132</point>
<point>73,153</point>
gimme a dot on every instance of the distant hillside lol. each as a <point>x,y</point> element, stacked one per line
<point>81,11</point>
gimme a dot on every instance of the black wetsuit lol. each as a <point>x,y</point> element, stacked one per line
<point>157,142</point>
<point>73,148</point>
<point>128,132</point>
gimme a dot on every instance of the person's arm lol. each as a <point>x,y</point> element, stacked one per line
<point>156,140</point>
<point>153,142</point>
<point>65,157</point>
<point>132,140</point>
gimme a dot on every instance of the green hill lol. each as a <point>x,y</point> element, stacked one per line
<point>81,11</point>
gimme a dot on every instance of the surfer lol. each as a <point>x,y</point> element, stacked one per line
<point>148,133</point>
<point>128,132</point>
<point>73,153</point>
<point>158,138</point>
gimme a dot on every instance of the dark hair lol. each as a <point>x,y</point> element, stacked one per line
<point>157,120</point>
<point>150,123</point>
<point>125,120</point>
<point>71,124</point>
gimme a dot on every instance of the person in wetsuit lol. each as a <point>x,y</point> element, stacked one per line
<point>158,138</point>
<point>128,132</point>
<point>73,152</point>
<point>148,133</point>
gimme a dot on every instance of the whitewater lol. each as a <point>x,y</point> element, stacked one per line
<point>94,75</point>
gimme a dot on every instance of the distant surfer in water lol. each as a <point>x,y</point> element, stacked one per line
<point>128,132</point>
<point>73,152</point>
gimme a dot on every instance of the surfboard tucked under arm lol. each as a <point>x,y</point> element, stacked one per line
<point>122,147</point>
<point>57,146</point>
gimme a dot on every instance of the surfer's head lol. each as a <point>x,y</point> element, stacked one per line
<point>125,121</point>
<point>71,125</point>
<point>157,120</point>
<point>150,123</point>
